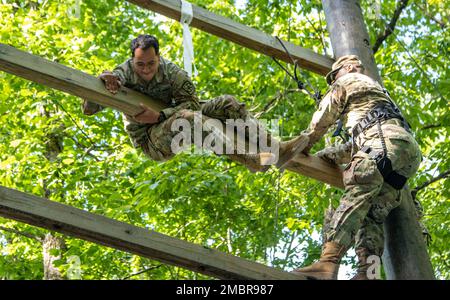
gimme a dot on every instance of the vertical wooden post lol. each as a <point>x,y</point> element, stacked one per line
<point>348,33</point>
<point>405,255</point>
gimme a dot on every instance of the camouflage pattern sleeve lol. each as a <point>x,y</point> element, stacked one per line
<point>124,71</point>
<point>184,95</point>
<point>340,154</point>
<point>90,108</point>
<point>330,109</point>
<point>136,131</point>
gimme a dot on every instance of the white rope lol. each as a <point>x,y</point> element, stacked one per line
<point>188,53</point>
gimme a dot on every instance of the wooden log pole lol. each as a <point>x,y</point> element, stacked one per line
<point>81,224</point>
<point>241,34</point>
<point>71,81</point>
<point>80,84</point>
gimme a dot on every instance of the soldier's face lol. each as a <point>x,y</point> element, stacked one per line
<point>146,63</point>
<point>350,68</point>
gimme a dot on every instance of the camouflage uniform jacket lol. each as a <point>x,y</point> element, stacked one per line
<point>350,98</point>
<point>170,85</point>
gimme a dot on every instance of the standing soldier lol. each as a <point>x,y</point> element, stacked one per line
<point>149,73</point>
<point>382,153</point>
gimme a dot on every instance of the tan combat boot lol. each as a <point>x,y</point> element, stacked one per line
<point>254,162</point>
<point>261,162</point>
<point>363,266</point>
<point>286,150</point>
<point>328,266</point>
<point>289,149</point>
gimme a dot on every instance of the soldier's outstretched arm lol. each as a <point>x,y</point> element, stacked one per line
<point>112,84</point>
<point>90,108</point>
<point>330,109</point>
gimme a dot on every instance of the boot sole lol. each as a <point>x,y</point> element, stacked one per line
<point>317,276</point>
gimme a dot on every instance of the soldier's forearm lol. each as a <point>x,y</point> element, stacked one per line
<point>192,105</point>
<point>90,108</point>
<point>137,132</point>
<point>314,134</point>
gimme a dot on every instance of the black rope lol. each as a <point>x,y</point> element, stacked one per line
<point>313,93</point>
<point>93,145</point>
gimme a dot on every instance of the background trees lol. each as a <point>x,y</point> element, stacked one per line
<point>50,149</point>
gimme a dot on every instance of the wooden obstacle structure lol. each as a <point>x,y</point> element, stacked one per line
<point>95,228</point>
<point>78,223</point>
<point>58,217</point>
<point>88,226</point>
<point>80,84</point>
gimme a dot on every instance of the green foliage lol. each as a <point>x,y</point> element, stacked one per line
<point>270,218</point>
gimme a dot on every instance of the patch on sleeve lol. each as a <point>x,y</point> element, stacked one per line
<point>188,87</point>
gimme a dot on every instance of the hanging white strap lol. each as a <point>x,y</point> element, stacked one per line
<point>188,53</point>
<point>77,8</point>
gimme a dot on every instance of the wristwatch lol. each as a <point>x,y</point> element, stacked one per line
<point>162,117</point>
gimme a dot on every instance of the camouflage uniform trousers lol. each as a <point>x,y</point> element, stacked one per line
<point>367,199</point>
<point>160,135</point>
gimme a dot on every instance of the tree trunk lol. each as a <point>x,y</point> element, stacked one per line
<point>52,243</point>
<point>405,255</point>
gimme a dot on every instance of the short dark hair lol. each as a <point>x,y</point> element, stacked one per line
<point>145,41</point>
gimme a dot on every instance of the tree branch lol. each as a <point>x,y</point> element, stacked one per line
<point>318,32</point>
<point>431,126</point>
<point>28,235</point>
<point>382,36</point>
<point>289,249</point>
<point>426,13</point>
<point>143,271</point>
<point>424,185</point>
<point>87,150</point>
<point>274,101</point>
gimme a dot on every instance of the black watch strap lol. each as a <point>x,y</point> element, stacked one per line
<point>162,116</point>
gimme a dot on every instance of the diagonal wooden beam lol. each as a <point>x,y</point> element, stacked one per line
<point>241,34</point>
<point>95,228</point>
<point>71,81</point>
<point>80,84</point>
<point>319,169</point>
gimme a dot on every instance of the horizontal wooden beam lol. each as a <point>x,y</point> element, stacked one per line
<point>80,84</point>
<point>241,34</point>
<point>81,224</point>
<point>71,81</point>
<point>317,168</point>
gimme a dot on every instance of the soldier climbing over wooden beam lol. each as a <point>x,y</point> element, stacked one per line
<point>382,155</point>
<point>154,131</point>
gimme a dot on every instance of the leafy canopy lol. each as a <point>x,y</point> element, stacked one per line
<point>48,148</point>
